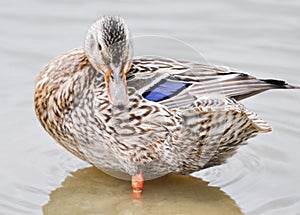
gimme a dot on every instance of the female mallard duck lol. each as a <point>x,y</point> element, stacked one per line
<point>145,117</point>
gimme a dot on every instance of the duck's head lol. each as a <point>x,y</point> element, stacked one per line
<point>108,48</point>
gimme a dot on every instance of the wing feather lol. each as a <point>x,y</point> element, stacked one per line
<point>149,74</point>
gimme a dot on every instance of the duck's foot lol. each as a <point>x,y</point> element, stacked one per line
<point>137,183</point>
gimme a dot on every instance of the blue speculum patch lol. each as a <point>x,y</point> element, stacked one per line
<point>164,89</point>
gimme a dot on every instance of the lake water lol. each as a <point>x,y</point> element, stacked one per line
<point>259,37</point>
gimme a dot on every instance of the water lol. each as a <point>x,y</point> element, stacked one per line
<point>261,38</point>
<point>166,195</point>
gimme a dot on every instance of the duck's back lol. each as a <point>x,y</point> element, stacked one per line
<point>59,89</point>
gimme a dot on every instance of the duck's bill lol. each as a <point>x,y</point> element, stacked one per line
<point>116,87</point>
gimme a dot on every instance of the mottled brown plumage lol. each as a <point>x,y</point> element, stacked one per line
<point>144,115</point>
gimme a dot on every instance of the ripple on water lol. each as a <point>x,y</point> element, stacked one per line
<point>244,161</point>
<point>25,189</point>
<point>276,206</point>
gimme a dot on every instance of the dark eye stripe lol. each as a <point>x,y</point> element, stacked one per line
<point>99,47</point>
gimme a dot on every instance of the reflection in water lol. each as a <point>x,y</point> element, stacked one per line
<point>89,191</point>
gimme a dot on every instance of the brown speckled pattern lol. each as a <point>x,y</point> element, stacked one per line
<point>72,105</point>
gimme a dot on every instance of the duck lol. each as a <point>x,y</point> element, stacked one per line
<point>145,116</point>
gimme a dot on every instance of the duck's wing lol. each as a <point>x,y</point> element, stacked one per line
<point>177,84</point>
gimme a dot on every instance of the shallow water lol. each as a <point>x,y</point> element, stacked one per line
<point>261,38</point>
<point>167,195</point>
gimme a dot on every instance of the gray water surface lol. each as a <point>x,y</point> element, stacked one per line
<point>258,37</point>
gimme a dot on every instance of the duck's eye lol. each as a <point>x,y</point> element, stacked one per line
<point>99,47</point>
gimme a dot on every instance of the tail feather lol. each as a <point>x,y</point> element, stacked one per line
<point>279,84</point>
<point>262,85</point>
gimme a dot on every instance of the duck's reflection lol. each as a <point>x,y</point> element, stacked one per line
<point>89,191</point>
